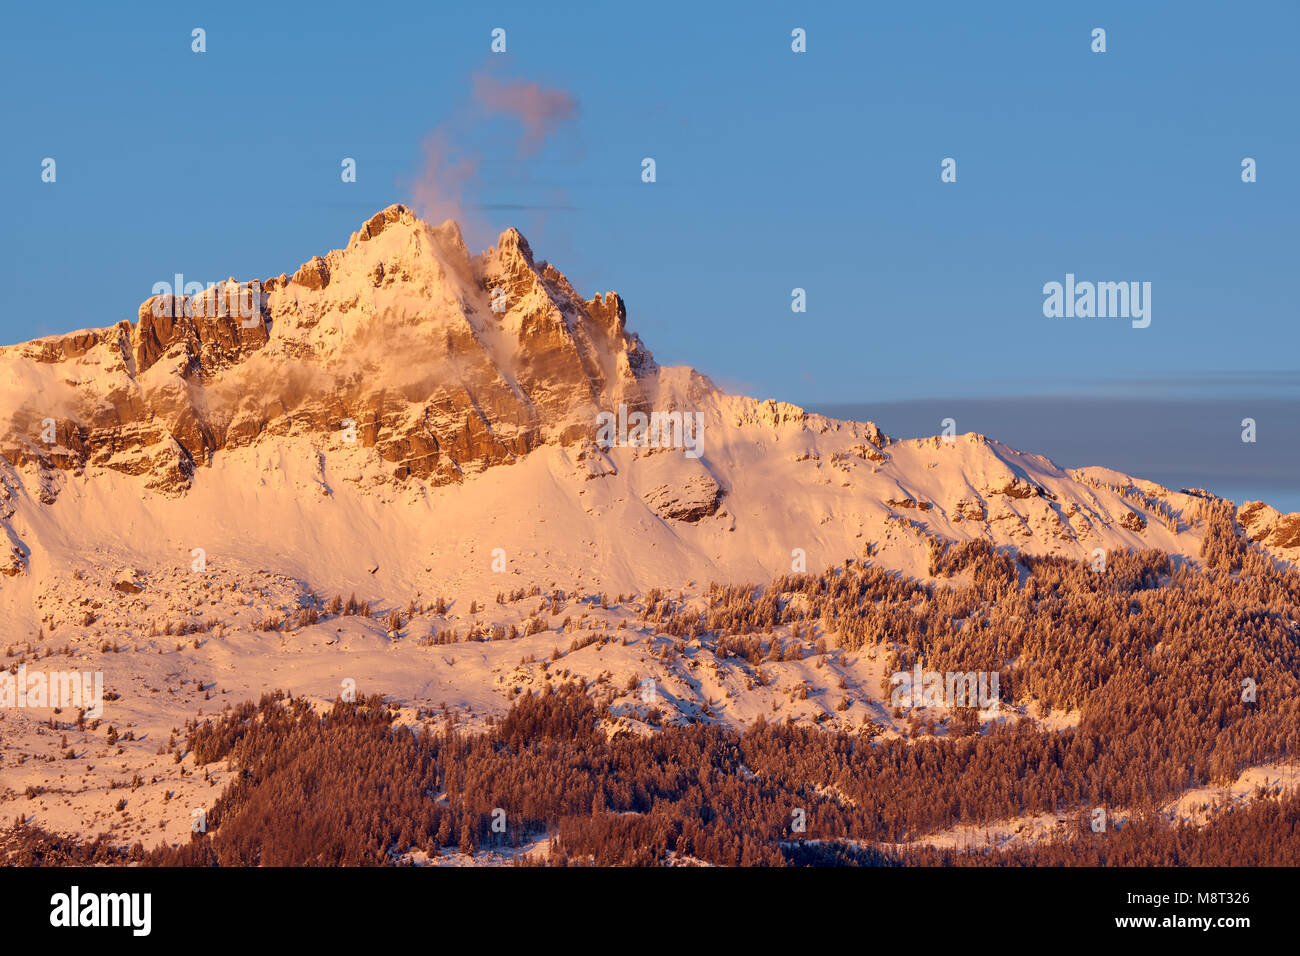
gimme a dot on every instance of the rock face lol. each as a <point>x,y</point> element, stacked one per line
<point>443,363</point>
<point>1268,526</point>
<point>694,499</point>
<point>314,274</point>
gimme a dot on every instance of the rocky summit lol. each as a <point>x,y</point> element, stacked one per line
<point>443,362</point>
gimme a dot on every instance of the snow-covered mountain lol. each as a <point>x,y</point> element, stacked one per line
<point>406,420</point>
<point>442,436</point>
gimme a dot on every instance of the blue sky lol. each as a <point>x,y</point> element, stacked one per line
<point>775,170</point>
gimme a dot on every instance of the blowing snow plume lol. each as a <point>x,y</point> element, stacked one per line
<point>540,111</point>
<point>456,150</point>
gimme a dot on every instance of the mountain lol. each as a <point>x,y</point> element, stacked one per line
<point>409,471</point>
<point>396,411</point>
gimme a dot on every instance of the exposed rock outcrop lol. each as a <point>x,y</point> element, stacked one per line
<point>694,499</point>
<point>1270,527</point>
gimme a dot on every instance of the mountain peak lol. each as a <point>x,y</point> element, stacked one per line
<point>396,213</point>
<point>511,243</point>
<point>445,364</point>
